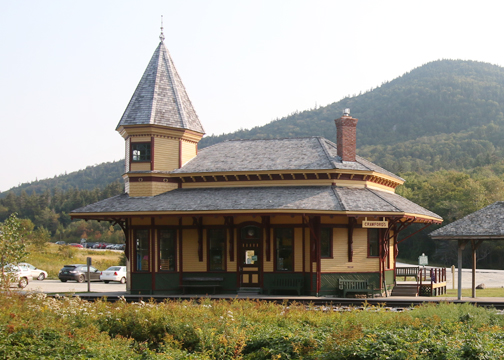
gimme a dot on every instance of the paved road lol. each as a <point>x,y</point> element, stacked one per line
<point>56,286</point>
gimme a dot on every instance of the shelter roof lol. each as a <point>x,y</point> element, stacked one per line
<point>288,198</point>
<point>160,97</point>
<point>310,153</point>
<point>487,223</point>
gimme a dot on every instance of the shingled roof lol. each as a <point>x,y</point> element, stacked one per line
<point>308,198</point>
<point>310,153</point>
<point>487,223</point>
<point>160,97</point>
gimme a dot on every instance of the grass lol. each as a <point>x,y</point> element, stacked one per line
<point>52,258</point>
<point>489,292</point>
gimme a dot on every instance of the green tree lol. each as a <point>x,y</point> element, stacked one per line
<point>12,248</point>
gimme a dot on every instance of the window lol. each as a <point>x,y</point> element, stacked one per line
<point>142,250</point>
<point>216,249</point>
<point>167,249</point>
<point>284,249</point>
<point>373,241</point>
<point>326,242</point>
<point>140,152</point>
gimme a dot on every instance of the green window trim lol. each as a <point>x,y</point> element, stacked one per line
<point>216,239</point>
<point>140,152</point>
<point>326,242</point>
<point>142,258</point>
<point>373,242</point>
<point>167,250</point>
<point>284,249</point>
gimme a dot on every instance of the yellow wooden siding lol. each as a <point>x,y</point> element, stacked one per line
<point>137,139</point>
<point>146,221</point>
<point>190,251</point>
<point>242,219</point>
<point>168,221</point>
<point>127,156</point>
<point>339,262</point>
<point>189,150</point>
<point>166,154</point>
<point>140,166</point>
<point>268,265</point>
<point>298,249</point>
<point>307,249</point>
<point>286,220</point>
<point>150,188</point>
<point>333,220</point>
<point>213,220</point>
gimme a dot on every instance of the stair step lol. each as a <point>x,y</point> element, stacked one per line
<point>405,290</point>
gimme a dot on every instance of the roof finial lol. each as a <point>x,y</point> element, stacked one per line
<point>161,37</point>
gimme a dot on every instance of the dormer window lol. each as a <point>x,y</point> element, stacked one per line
<point>140,152</point>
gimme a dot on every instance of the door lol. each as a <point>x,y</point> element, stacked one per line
<point>250,256</point>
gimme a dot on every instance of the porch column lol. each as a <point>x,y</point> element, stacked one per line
<point>461,247</point>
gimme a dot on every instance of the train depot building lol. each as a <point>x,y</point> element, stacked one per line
<point>281,216</point>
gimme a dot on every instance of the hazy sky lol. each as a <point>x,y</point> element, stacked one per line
<point>69,68</point>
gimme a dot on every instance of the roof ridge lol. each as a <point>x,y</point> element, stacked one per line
<point>326,151</point>
<point>381,197</point>
<point>343,206</point>
<point>274,139</point>
<point>178,101</point>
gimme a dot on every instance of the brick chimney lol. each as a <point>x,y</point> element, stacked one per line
<point>345,136</point>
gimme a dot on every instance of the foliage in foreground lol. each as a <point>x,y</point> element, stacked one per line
<point>38,327</point>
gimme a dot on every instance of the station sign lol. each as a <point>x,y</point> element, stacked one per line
<point>375,224</point>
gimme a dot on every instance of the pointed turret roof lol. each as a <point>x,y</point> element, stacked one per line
<point>160,97</point>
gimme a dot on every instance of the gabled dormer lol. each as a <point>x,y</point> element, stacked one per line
<point>160,128</point>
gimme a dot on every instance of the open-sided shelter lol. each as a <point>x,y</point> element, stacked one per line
<point>484,224</point>
<point>296,214</point>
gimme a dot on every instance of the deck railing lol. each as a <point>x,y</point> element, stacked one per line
<point>433,278</point>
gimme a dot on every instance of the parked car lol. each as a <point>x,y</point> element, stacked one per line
<point>60,243</point>
<point>35,272</point>
<point>78,272</point>
<point>110,246</point>
<point>19,275</point>
<point>77,245</point>
<point>114,273</point>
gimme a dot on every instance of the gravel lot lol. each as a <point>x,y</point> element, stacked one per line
<point>56,286</point>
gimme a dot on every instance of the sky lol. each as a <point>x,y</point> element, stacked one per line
<point>69,68</point>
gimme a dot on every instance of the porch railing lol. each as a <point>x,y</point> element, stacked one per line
<point>434,278</point>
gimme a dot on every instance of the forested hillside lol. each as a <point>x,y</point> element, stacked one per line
<point>440,126</point>
<point>97,176</point>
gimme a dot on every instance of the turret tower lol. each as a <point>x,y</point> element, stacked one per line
<point>160,128</point>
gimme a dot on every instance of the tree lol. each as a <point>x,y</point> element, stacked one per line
<point>12,249</point>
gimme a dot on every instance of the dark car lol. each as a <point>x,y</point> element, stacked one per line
<point>78,272</point>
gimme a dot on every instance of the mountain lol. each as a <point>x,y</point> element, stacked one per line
<point>97,176</point>
<point>441,97</point>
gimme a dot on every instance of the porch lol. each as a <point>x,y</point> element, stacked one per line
<point>419,281</point>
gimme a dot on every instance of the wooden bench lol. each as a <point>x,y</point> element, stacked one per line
<point>355,286</point>
<point>286,283</point>
<point>201,282</point>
